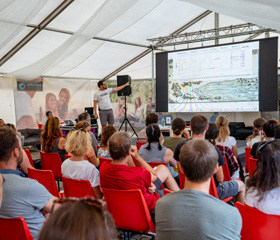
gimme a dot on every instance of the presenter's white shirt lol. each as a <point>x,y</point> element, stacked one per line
<point>80,170</point>
<point>103,98</point>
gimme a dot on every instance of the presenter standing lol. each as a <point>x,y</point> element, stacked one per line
<point>102,98</point>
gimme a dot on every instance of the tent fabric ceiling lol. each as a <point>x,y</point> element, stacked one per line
<point>69,47</point>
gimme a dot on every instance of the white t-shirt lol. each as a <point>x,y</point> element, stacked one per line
<point>103,98</point>
<point>254,140</point>
<point>229,142</point>
<point>139,112</point>
<point>80,170</point>
<point>269,204</point>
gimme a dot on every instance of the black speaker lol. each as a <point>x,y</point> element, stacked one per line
<point>121,80</point>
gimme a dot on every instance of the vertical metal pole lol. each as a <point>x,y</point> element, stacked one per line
<point>153,76</point>
<point>217,25</point>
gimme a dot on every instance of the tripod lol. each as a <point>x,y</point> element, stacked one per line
<point>125,120</point>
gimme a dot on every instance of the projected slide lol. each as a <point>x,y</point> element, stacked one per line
<point>214,79</point>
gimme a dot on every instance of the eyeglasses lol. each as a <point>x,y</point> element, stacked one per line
<point>87,200</point>
<point>265,144</point>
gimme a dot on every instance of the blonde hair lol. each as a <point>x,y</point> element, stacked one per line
<point>222,123</point>
<point>78,142</point>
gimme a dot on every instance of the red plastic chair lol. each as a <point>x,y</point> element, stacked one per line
<point>181,177</point>
<point>29,157</point>
<point>14,229</point>
<point>77,188</point>
<point>258,225</point>
<point>139,144</point>
<point>40,125</point>
<point>129,210</point>
<point>166,191</point>
<point>247,157</point>
<point>46,178</point>
<point>252,166</point>
<point>155,164</point>
<point>213,191</point>
<point>102,160</point>
<point>226,171</point>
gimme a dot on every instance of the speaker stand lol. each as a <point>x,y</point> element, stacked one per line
<point>125,120</point>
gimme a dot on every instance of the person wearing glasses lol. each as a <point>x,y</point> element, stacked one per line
<point>85,219</point>
<point>264,186</point>
<point>22,197</point>
<point>75,167</point>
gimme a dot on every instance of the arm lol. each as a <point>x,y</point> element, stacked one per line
<point>25,163</point>
<point>61,143</point>
<point>219,174</point>
<point>168,158</point>
<point>130,162</point>
<point>92,158</point>
<point>47,208</point>
<point>95,108</point>
<point>116,89</point>
<point>97,192</point>
<point>186,134</point>
<point>142,163</point>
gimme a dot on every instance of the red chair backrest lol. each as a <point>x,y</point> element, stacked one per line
<point>46,178</point>
<point>14,229</point>
<point>77,188</point>
<point>129,209</point>
<point>181,177</point>
<point>155,164</point>
<point>213,190</point>
<point>51,161</point>
<point>102,160</point>
<point>247,157</point>
<point>226,172</point>
<point>258,225</point>
<point>139,144</point>
<point>252,166</point>
<point>166,191</point>
<point>29,157</point>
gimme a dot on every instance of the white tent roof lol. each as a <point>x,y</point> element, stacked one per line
<point>91,39</point>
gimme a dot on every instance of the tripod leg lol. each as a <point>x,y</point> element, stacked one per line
<point>132,129</point>
<point>122,124</point>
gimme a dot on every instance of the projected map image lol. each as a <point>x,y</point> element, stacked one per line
<point>214,79</point>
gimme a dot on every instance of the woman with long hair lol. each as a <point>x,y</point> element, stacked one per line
<point>107,132</point>
<point>76,167</point>
<point>178,127</point>
<point>85,219</point>
<point>224,138</point>
<point>51,104</point>
<point>258,134</point>
<point>264,186</point>
<point>212,135</point>
<point>153,151</point>
<point>90,156</point>
<point>138,108</point>
<point>62,103</point>
<point>52,139</point>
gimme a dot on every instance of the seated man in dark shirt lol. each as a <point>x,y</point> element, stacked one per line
<point>199,126</point>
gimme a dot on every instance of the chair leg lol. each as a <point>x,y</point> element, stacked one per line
<point>57,182</point>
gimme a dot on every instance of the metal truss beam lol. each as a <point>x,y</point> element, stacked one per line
<point>183,28</point>
<point>207,35</point>
<point>36,30</point>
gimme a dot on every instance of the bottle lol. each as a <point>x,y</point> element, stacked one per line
<point>163,122</point>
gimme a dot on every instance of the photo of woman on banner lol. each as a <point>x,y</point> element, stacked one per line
<point>51,104</point>
<point>138,111</point>
<point>62,103</point>
<point>119,110</point>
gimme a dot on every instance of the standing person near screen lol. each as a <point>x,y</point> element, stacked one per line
<point>102,98</point>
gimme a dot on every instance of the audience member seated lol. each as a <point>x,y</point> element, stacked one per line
<point>264,186</point>
<point>192,213</point>
<point>75,167</point>
<point>258,134</point>
<point>212,135</point>
<point>269,131</point>
<point>224,138</point>
<point>117,175</point>
<point>22,197</point>
<point>236,188</point>
<point>178,127</point>
<point>151,118</point>
<point>48,115</point>
<point>91,155</point>
<point>2,123</point>
<point>25,161</point>
<point>85,219</point>
<point>107,132</point>
<point>154,152</point>
<point>51,138</point>
<point>86,117</point>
